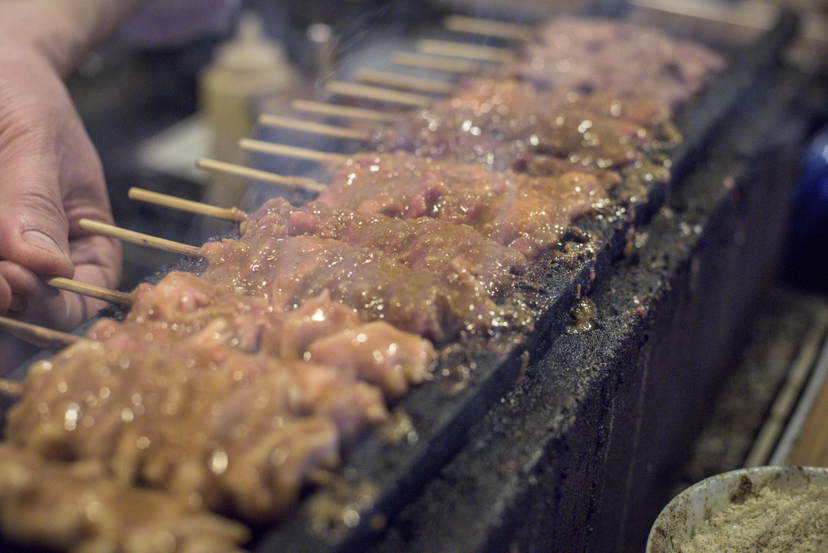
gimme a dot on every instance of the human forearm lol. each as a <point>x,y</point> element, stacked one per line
<point>63,31</point>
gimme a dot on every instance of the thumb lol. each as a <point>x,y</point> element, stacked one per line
<point>33,226</point>
<point>46,255</point>
<point>34,229</point>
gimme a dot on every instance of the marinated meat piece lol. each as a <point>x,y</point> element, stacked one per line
<point>600,55</point>
<point>493,99</point>
<point>315,319</point>
<point>263,482</point>
<point>544,166</point>
<point>78,508</point>
<point>291,270</point>
<point>523,212</point>
<point>193,417</point>
<point>500,122</point>
<point>380,354</point>
<point>331,334</point>
<point>422,243</point>
<point>184,303</point>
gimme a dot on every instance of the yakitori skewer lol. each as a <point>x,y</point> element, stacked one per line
<point>259,175</point>
<point>408,82</point>
<point>434,63</point>
<point>226,213</point>
<point>488,27</point>
<point>89,290</point>
<point>368,92</point>
<point>345,112</point>
<point>37,334</point>
<point>273,148</point>
<point>474,52</point>
<point>312,127</point>
<point>139,238</point>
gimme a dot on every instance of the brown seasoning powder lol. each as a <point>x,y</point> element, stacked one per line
<point>768,520</point>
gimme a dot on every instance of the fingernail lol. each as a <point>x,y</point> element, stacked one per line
<point>18,303</point>
<point>44,242</point>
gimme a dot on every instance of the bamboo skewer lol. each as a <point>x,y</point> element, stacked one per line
<point>38,334</point>
<point>312,127</point>
<point>139,238</point>
<point>462,50</point>
<point>396,80</point>
<point>148,196</point>
<point>434,63</point>
<point>163,199</point>
<point>479,26</point>
<point>290,151</point>
<point>347,112</point>
<point>381,94</point>
<point>258,174</point>
<point>97,292</point>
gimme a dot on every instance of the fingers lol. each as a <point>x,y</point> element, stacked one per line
<point>30,300</point>
<point>50,179</point>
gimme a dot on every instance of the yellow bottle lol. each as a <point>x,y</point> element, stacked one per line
<point>246,71</point>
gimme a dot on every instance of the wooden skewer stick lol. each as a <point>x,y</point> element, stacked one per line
<point>290,151</point>
<point>461,50</point>
<point>396,80</point>
<point>258,174</point>
<point>139,238</point>
<point>311,127</point>
<point>97,292</point>
<point>38,334</point>
<point>346,112</point>
<point>479,26</point>
<point>226,213</point>
<point>434,63</point>
<point>381,94</point>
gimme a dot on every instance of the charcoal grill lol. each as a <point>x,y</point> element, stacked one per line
<point>562,440</point>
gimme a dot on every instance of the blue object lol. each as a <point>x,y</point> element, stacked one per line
<point>808,246</point>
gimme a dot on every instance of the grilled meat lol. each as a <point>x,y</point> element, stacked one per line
<point>290,270</point>
<point>193,416</point>
<point>594,55</point>
<point>500,123</point>
<point>420,243</point>
<point>78,507</point>
<point>183,304</point>
<point>526,213</point>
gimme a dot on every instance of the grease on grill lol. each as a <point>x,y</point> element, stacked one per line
<point>583,316</point>
<point>341,505</point>
<point>398,428</point>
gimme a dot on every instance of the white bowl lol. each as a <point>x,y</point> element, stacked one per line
<point>680,520</point>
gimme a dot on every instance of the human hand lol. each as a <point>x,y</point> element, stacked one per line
<point>50,179</point>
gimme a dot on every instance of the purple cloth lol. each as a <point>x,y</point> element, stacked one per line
<point>174,23</point>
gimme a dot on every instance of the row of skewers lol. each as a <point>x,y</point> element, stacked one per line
<point>230,391</point>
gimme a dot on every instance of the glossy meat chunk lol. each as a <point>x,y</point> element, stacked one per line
<point>183,304</point>
<point>77,507</point>
<point>601,55</point>
<point>290,270</point>
<point>526,213</point>
<point>500,123</point>
<point>240,431</point>
<point>421,243</point>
